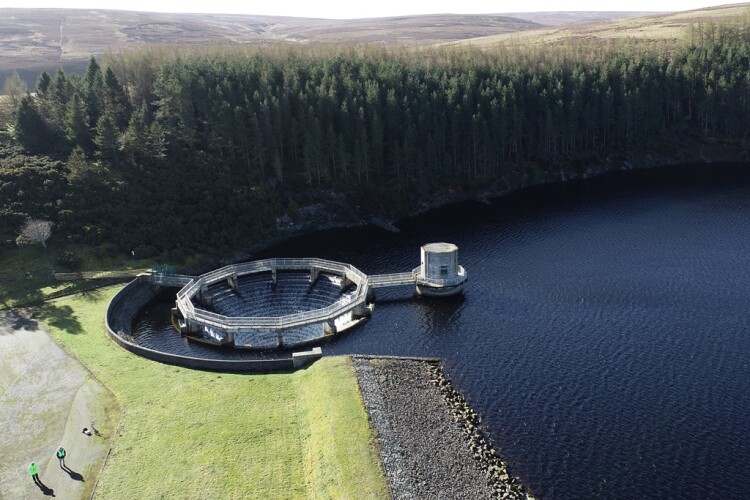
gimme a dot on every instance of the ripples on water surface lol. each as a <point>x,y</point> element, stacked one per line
<point>603,335</point>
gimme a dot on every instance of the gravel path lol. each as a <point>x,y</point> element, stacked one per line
<point>46,398</point>
<point>430,441</point>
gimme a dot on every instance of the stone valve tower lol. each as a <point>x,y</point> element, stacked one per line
<point>439,274</point>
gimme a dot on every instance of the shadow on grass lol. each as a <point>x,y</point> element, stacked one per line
<point>91,295</point>
<point>19,293</point>
<point>61,317</point>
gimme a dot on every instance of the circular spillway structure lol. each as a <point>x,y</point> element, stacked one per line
<point>271,303</point>
<point>245,317</point>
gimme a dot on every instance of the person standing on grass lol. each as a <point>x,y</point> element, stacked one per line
<point>61,457</point>
<point>34,471</point>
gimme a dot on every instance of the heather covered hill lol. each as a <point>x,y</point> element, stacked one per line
<point>404,30</point>
<point>660,28</point>
<point>36,39</point>
<point>32,40</point>
<point>568,17</point>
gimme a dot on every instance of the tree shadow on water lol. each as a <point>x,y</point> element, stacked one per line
<point>61,317</point>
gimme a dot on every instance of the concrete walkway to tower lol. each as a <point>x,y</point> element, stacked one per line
<point>46,399</point>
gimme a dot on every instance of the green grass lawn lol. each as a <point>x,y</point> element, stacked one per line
<point>26,271</point>
<point>193,434</point>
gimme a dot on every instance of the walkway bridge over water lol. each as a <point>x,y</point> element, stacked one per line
<point>395,279</point>
<point>417,279</point>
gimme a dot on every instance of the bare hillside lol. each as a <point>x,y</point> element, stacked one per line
<point>562,18</point>
<point>655,28</point>
<point>31,39</point>
<point>36,39</point>
<point>408,30</point>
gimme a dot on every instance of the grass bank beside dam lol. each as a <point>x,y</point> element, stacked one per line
<point>193,434</point>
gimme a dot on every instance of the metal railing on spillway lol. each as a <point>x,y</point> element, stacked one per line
<point>193,285</point>
<point>171,280</point>
<point>93,275</point>
<point>394,279</point>
<point>238,324</point>
<point>415,278</point>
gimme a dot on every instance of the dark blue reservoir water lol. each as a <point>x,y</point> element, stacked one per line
<point>603,337</point>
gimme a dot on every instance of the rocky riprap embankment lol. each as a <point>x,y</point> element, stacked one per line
<point>431,443</point>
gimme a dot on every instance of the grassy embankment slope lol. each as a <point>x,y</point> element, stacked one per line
<point>193,434</point>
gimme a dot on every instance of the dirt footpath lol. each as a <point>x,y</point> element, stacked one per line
<point>46,399</point>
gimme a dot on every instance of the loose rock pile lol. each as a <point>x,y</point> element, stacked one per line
<point>482,451</point>
<point>431,442</point>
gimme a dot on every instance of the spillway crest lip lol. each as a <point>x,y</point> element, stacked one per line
<point>332,289</point>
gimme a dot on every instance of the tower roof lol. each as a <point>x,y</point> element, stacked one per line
<point>439,247</point>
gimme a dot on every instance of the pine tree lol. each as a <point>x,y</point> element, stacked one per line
<point>133,140</point>
<point>156,142</point>
<point>59,98</point>
<point>44,93</point>
<point>92,88</point>
<point>77,123</point>
<point>78,168</point>
<point>43,84</point>
<point>29,128</point>
<point>115,100</point>
<point>106,136</point>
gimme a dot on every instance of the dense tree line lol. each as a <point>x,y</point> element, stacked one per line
<point>170,151</point>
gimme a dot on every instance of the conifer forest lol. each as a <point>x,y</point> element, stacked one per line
<point>166,150</point>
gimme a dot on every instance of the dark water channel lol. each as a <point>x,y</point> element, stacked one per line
<point>604,335</point>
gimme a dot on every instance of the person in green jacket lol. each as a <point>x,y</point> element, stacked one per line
<point>34,471</point>
<point>61,456</point>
